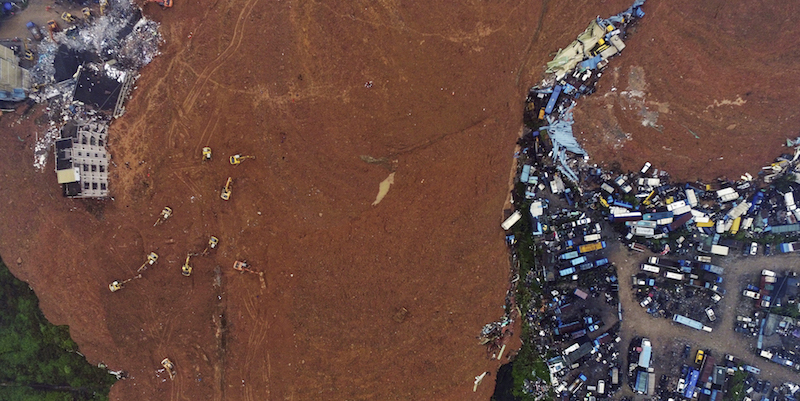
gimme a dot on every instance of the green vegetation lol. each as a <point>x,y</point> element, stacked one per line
<point>39,361</point>
<point>736,383</point>
<point>787,310</point>
<point>528,364</point>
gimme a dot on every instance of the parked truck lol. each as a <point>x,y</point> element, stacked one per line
<point>595,246</point>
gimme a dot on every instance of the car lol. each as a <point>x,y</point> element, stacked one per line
<point>35,32</point>
<point>699,357</point>
<point>687,349</point>
<point>754,249</point>
<point>767,249</point>
<point>711,315</point>
<point>716,298</point>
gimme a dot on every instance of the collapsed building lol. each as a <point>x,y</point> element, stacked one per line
<point>85,74</point>
<point>15,81</point>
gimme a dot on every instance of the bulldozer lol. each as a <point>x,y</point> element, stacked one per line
<point>186,269</point>
<point>243,267</point>
<point>206,153</point>
<point>226,190</point>
<point>169,367</point>
<point>117,285</point>
<point>165,214</point>
<point>238,159</point>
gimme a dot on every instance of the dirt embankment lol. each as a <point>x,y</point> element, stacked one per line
<point>288,83</point>
<point>703,90</point>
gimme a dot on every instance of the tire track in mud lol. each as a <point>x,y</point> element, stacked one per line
<point>233,46</point>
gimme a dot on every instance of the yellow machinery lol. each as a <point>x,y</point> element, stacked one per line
<point>87,13</point>
<point>245,268</point>
<point>206,153</point>
<point>169,367</point>
<point>117,285</point>
<point>226,190</point>
<point>67,17</point>
<point>165,214</point>
<point>212,243</point>
<point>237,159</point>
<point>186,269</point>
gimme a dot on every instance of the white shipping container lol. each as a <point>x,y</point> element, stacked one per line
<point>691,197</point>
<point>682,210</point>
<point>788,198</point>
<point>720,226</point>
<point>719,250</point>
<point>607,188</point>
<point>664,222</point>
<point>675,205</point>
<point>591,238</point>
<point>746,223</point>
<point>511,220</point>
<point>650,268</point>
<point>643,231</point>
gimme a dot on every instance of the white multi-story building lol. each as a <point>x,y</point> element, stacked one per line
<point>82,160</point>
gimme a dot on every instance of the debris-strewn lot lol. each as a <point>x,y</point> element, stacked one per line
<point>692,227</point>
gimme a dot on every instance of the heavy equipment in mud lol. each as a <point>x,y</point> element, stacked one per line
<point>212,243</point>
<point>226,190</point>
<point>238,159</point>
<point>169,367</point>
<point>243,267</point>
<point>165,214</point>
<point>117,285</point>
<point>206,154</point>
<point>186,269</point>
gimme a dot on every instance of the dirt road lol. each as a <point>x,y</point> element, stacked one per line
<point>668,337</point>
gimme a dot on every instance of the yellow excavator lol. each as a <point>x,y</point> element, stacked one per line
<point>117,285</point>
<point>226,190</point>
<point>165,214</point>
<point>212,243</point>
<point>206,153</point>
<point>238,159</point>
<point>243,267</point>
<point>186,269</point>
<point>169,367</point>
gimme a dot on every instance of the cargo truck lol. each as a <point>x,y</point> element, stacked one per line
<point>595,246</point>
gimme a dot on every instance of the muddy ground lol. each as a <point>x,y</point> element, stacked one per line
<point>331,98</point>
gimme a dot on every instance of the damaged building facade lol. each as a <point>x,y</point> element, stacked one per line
<point>15,81</point>
<point>82,160</point>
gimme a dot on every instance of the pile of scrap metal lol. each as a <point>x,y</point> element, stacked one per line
<point>574,72</point>
<point>92,66</point>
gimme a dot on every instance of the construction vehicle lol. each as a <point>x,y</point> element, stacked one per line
<point>243,267</point>
<point>169,367</point>
<point>165,214</point>
<point>67,17</point>
<point>87,13</point>
<point>226,190</point>
<point>186,269</point>
<point>34,30</point>
<point>212,243</point>
<point>206,153</point>
<point>117,285</point>
<point>103,5</point>
<point>52,27</point>
<point>28,55</point>
<point>162,3</point>
<point>237,159</point>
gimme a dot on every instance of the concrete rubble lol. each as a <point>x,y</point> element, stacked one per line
<point>87,71</point>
